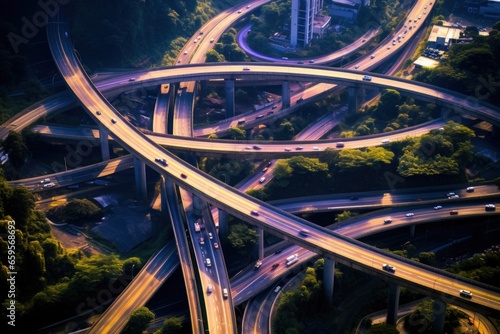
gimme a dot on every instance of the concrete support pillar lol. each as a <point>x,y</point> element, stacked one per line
<point>285,94</point>
<point>140,179</point>
<point>103,138</point>
<point>412,230</point>
<point>163,196</point>
<point>230,98</point>
<point>353,100</point>
<point>328,279</point>
<point>438,312</point>
<point>260,232</point>
<point>223,226</point>
<point>392,308</point>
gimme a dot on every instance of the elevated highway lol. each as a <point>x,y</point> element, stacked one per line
<point>287,226</point>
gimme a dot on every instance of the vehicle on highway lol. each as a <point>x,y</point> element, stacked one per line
<point>340,144</point>
<point>438,207</point>
<point>284,58</point>
<point>259,116</point>
<point>387,220</point>
<point>161,161</point>
<point>49,185</point>
<point>386,141</point>
<point>210,288</point>
<point>208,262</point>
<point>98,112</point>
<point>269,163</point>
<point>262,179</point>
<point>453,196</point>
<point>211,40</point>
<point>113,121</point>
<point>388,267</point>
<point>372,56</point>
<point>450,194</point>
<point>197,227</point>
<point>216,245</point>
<point>225,293</point>
<point>278,251</point>
<point>264,169</point>
<point>246,68</point>
<point>254,213</point>
<point>210,235</point>
<point>304,233</point>
<point>256,147</point>
<point>453,212</point>
<point>239,12</point>
<point>367,78</point>
<point>202,241</point>
<point>466,293</point>
<point>288,149</point>
<point>258,264</point>
<point>298,148</point>
<point>47,180</point>
<point>274,107</point>
<point>300,99</point>
<point>311,61</point>
<point>131,79</point>
<point>315,148</point>
<point>470,189</point>
<point>184,176</point>
<point>277,289</point>
<point>241,121</point>
<point>410,214</point>
<point>490,207</point>
<point>356,67</point>
<point>292,259</point>
<point>275,265</point>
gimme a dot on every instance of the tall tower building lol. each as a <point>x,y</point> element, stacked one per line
<point>303,12</point>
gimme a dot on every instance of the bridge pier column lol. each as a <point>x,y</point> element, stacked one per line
<point>230,98</point>
<point>328,279</point>
<point>223,226</point>
<point>103,138</point>
<point>392,308</point>
<point>412,230</point>
<point>353,99</point>
<point>285,94</point>
<point>140,179</point>
<point>163,196</point>
<point>438,313</point>
<point>260,232</point>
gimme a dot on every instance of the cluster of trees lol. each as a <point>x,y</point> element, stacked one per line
<point>420,320</point>
<point>226,49</point>
<point>227,170</point>
<point>470,68</point>
<point>391,112</point>
<point>76,211</point>
<point>440,156</point>
<point>300,305</point>
<point>481,267</point>
<point>136,33</point>
<point>142,317</point>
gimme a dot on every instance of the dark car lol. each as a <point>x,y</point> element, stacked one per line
<point>275,265</point>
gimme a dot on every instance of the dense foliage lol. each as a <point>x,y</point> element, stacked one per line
<point>481,267</point>
<point>75,211</point>
<point>123,33</point>
<point>420,320</point>
<point>139,320</point>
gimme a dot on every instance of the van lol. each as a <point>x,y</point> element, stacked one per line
<point>225,293</point>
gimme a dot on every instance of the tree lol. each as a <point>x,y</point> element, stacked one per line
<point>20,206</point>
<point>387,106</point>
<point>383,329</point>
<point>242,238</point>
<point>237,133</point>
<point>213,56</point>
<point>15,146</point>
<point>139,320</point>
<point>172,325</point>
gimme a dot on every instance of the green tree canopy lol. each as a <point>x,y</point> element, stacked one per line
<point>139,320</point>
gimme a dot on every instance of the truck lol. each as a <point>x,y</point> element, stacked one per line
<point>292,259</point>
<point>197,227</point>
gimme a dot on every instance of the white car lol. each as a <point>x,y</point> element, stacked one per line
<point>316,148</point>
<point>262,179</point>
<point>385,141</point>
<point>438,207</point>
<point>411,214</point>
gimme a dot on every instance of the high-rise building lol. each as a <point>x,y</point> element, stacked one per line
<point>303,12</point>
